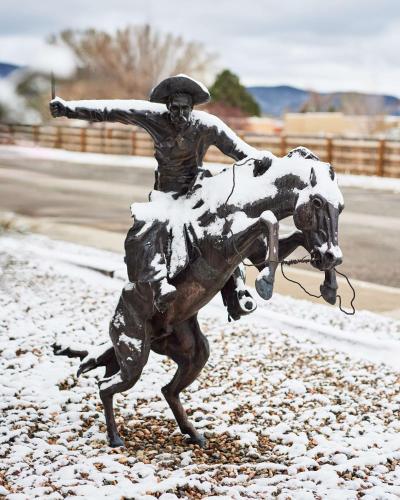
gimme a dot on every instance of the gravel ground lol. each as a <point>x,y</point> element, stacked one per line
<point>284,416</point>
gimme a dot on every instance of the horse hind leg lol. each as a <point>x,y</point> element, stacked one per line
<point>106,358</point>
<point>130,338</point>
<point>188,347</point>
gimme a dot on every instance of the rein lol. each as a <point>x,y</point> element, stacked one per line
<point>291,262</point>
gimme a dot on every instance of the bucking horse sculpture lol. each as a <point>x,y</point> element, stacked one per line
<point>217,225</point>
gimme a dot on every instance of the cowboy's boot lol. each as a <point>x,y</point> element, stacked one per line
<point>164,294</point>
<point>236,296</point>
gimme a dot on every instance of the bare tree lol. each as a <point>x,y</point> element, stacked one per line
<point>128,63</point>
<point>371,106</point>
<point>317,102</point>
<point>354,103</point>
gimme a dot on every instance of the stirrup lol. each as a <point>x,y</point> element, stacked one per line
<point>241,304</point>
<point>246,302</point>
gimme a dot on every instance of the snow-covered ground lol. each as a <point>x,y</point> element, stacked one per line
<point>345,180</point>
<point>297,401</point>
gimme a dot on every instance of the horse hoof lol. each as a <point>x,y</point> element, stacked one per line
<point>200,440</point>
<point>117,442</point>
<point>264,288</point>
<point>328,294</point>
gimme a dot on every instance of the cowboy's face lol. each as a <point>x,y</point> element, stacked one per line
<point>180,108</point>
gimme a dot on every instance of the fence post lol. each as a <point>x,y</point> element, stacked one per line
<point>58,141</point>
<point>102,135</point>
<point>329,149</point>
<point>36,134</point>
<point>109,140</point>
<point>380,164</point>
<point>133,142</point>
<point>283,145</point>
<point>11,133</point>
<point>83,139</point>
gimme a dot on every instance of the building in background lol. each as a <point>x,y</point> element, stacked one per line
<point>340,124</point>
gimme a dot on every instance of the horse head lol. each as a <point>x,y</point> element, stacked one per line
<point>317,212</point>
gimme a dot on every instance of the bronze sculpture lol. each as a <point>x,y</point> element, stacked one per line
<point>220,226</point>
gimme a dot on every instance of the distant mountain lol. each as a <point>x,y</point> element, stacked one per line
<point>282,99</point>
<point>278,100</point>
<point>6,69</point>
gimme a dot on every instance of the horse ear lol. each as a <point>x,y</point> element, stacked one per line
<point>261,166</point>
<point>304,153</point>
<point>313,177</point>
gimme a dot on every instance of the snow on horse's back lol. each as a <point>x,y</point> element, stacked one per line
<point>242,187</point>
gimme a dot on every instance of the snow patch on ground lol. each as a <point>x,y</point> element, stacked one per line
<point>284,415</point>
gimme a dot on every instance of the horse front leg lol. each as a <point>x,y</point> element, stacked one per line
<point>329,287</point>
<point>288,245</point>
<point>266,225</point>
<point>266,279</point>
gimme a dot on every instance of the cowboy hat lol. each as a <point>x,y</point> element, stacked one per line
<point>181,84</point>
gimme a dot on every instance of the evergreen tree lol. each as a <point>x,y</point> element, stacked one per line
<point>228,90</point>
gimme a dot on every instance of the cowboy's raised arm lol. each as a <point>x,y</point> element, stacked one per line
<point>127,111</point>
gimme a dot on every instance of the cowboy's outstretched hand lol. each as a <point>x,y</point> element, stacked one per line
<point>57,109</point>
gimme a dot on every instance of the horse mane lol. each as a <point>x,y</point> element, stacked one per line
<point>247,182</point>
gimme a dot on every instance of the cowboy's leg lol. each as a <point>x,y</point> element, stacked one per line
<point>236,295</point>
<point>145,260</point>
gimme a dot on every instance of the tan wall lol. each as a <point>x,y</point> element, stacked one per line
<point>263,125</point>
<point>330,124</point>
<point>256,125</point>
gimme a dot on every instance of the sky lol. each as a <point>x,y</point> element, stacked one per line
<point>313,44</point>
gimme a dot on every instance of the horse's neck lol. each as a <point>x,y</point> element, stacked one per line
<point>276,190</point>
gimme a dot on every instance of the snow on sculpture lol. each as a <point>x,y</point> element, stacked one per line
<point>188,242</point>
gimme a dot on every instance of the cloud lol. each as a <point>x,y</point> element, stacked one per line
<point>346,44</point>
<point>37,54</point>
<point>59,60</point>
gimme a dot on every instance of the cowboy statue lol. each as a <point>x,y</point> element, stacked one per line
<point>181,138</point>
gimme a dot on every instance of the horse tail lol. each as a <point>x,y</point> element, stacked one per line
<point>70,352</point>
<point>101,356</point>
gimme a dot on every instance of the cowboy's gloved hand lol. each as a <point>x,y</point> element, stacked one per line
<point>57,109</point>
